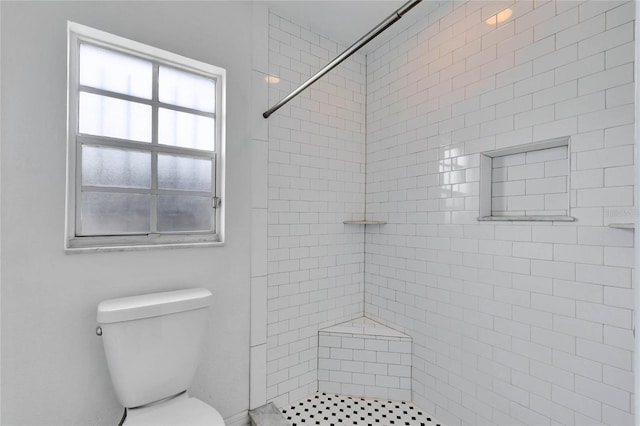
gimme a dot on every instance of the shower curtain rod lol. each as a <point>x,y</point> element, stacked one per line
<point>391,19</point>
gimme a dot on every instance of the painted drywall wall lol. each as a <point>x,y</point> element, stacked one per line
<point>316,181</point>
<point>512,323</point>
<point>0,221</point>
<point>54,371</point>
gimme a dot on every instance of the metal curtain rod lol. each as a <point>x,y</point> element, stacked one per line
<point>395,16</point>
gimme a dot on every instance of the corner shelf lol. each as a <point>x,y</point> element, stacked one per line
<point>623,225</point>
<point>364,222</point>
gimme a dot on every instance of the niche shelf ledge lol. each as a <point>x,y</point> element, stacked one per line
<point>525,218</point>
<point>364,222</point>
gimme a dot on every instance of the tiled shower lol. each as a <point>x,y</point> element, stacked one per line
<point>512,321</point>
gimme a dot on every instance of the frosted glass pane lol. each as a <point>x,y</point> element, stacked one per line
<point>184,173</point>
<point>105,116</point>
<point>117,72</point>
<point>105,213</point>
<point>115,167</point>
<point>184,213</point>
<point>185,130</point>
<point>187,90</point>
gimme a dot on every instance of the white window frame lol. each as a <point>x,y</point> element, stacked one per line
<point>73,243</point>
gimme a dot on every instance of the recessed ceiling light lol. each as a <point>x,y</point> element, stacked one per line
<point>272,79</point>
<point>499,17</point>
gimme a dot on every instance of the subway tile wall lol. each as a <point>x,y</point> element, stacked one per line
<point>316,179</point>
<point>523,323</point>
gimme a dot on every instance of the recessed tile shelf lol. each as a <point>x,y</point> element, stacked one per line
<point>527,182</point>
<point>364,222</point>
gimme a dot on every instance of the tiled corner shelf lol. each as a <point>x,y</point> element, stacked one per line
<point>364,222</point>
<point>623,225</point>
<point>364,357</point>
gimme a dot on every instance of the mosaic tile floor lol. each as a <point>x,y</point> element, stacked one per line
<point>337,410</point>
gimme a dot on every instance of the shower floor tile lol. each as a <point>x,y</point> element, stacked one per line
<point>327,409</point>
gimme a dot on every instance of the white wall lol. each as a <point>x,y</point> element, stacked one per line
<point>316,179</point>
<point>512,323</point>
<point>54,371</point>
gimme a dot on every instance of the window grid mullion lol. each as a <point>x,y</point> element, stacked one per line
<point>154,155</point>
<point>146,191</point>
<point>78,145</point>
<point>101,141</point>
<point>153,101</point>
<point>214,191</point>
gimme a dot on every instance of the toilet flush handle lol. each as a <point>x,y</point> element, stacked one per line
<point>99,331</point>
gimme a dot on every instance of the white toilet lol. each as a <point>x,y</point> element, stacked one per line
<point>152,345</point>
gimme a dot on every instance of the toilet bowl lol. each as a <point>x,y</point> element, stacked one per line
<point>180,410</point>
<point>152,344</point>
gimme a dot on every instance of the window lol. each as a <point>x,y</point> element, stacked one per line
<point>146,145</point>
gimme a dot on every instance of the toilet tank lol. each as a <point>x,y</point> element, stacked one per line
<point>153,342</point>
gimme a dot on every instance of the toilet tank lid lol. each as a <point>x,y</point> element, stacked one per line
<point>152,305</point>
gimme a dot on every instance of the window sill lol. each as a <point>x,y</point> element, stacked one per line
<point>116,244</point>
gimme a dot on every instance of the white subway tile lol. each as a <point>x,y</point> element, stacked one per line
<point>607,237</point>
<point>605,275</point>
<point>613,416</point>
<point>620,55</point>
<point>621,135</point>
<point>604,354</point>
<point>578,253</point>
<point>601,392</point>
<point>532,317</point>
<point>553,269</point>
<point>533,250</point>
<point>562,415</point>
<point>620,297</point>
<point>579,328</point>
<point>582,68</point>
<point>577,106</point>
<point>557,23</point>
<point>556,376</point>
<point>607,79</point>
<point>577,402</point>
<point>605,40</point>
<point>618,378</point>
<point>582,31</point>
<point>614,196</point>
<point>619,337</point>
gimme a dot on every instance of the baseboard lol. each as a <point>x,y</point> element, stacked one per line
<point>240,419</point>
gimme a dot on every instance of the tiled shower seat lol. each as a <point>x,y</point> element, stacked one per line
<point>365,358</point>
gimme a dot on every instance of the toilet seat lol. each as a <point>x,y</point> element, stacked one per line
<point>179,411</point>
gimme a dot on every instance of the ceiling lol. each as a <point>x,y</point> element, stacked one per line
<point>341,21</point>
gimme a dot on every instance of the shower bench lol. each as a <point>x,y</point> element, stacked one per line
<point>363,357</point>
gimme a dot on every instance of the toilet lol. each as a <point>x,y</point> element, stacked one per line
<point>152,345</point>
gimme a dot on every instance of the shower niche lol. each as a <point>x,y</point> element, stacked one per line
<point>526,182</point>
